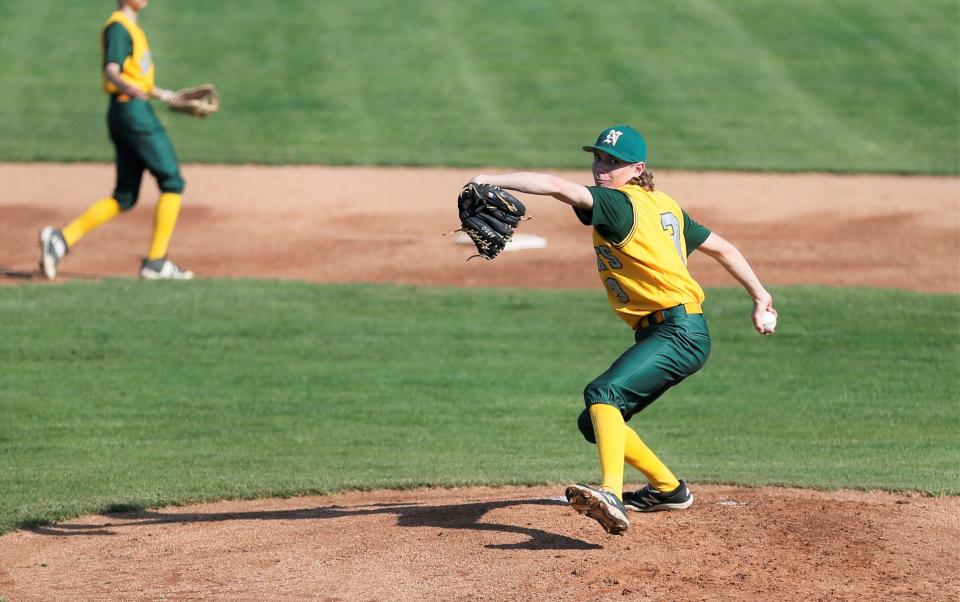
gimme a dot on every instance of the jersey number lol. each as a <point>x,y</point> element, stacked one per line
<point>671,224</point>
<point>617,290</point>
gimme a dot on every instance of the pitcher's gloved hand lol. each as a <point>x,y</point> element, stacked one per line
<point>488,215</point>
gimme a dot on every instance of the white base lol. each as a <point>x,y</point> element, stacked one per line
<point>519,242</point>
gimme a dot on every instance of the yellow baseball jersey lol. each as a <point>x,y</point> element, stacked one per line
<point>645,270</point>
<point>133,55</point>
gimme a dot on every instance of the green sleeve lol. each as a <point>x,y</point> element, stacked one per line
<point>693,233</point>
<point>611,215</point>
<point>117,44</point>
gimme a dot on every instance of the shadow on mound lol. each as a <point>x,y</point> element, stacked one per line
<point>450,516</point>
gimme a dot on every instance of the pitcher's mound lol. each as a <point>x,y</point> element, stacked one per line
<point>514,543</point>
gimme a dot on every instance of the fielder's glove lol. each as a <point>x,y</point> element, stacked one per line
<point>488,215</point>
<point>198,101</point>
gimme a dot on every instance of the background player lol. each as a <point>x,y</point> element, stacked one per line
<point>140,142</point>
<point>642,239</point>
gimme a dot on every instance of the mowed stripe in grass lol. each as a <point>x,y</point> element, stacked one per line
<point>864,85</point>
<point>123,394</point>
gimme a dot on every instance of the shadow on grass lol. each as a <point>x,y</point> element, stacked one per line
<point>451,516</point>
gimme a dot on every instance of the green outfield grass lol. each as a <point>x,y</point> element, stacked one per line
<point>123,394</point>
<point>856,85</point>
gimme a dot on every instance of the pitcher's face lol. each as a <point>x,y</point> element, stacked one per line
<point>610,172</point>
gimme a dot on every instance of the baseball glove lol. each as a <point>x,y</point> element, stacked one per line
<point>199,101</point>
<point>488,215</point>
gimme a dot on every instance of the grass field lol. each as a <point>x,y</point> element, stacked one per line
<point>858,85</point>
<point>123,394</point>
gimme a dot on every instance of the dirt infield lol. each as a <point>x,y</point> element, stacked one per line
<point>359,224</point>
<point>355,224</point>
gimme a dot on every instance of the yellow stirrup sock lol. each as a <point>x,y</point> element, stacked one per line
<point>609,429</point>
<point>164,219</point>
<point>96,215</point>
<point>638,455</point>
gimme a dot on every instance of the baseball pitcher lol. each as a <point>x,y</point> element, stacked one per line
<point>641,238</point>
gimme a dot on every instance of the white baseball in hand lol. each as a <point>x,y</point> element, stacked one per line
<point>768,321</point>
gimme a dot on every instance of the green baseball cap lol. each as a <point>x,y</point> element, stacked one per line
<point>621,141</point>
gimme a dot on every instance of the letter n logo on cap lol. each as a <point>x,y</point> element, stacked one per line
<point>612,137</point>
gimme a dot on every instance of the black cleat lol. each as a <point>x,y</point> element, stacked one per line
<point>649,499</point>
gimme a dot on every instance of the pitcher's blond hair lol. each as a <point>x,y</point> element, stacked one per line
<point>644,180</point>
